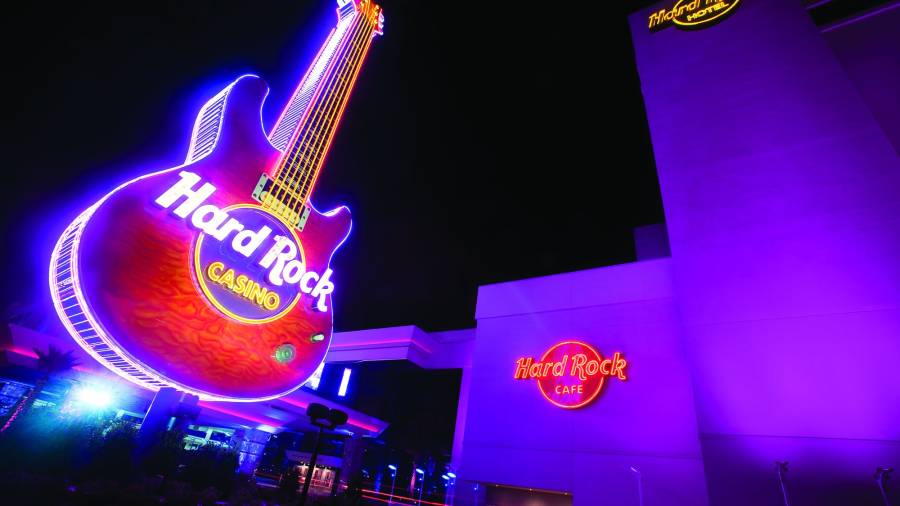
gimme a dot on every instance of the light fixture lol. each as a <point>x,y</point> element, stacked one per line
<point>94,397</point>
<point>345,380</point>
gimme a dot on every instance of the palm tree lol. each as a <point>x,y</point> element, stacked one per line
<point>51,363</point>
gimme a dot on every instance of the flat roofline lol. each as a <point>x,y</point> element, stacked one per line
<point>615,284</point>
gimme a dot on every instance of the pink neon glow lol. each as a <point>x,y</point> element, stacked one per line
<point>337,123</point>
<point>294,402</point>
<point>277,135</point>
<point>27,352</point>
<point>292,140</point>
<point>262,421</point>
<point>413,500</point>
<point>22,351</point>
<point>299,87</point>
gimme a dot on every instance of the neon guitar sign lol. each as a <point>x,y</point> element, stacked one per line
<point>214,277</point>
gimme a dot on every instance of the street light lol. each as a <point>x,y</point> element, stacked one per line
<point>781,467</point>
<point>393,470</point>
<point>421,484</point>
<point>881,476</point>
<point>451,484</point>
<point>639,484</point>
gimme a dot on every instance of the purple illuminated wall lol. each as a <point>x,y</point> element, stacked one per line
<point>513,436</point>
<point>782,197</point>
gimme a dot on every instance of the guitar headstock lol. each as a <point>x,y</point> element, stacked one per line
<point>373,12</point>
<point>379,21</point>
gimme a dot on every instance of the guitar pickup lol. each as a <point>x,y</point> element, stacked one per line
<point>281,200</point>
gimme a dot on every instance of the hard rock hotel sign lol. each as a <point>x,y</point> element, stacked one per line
<point>691,14</point>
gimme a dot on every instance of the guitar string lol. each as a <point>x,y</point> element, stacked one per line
<point>289,177</point>
<point>325,142</point>
<point>325,117</point>
<point>312,156</point>
<point>289,168</point>
<point>338,100</point>
<point>322,126</point>
<point>285,170</point>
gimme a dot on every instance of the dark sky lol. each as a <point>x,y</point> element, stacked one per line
<point>484,142</point>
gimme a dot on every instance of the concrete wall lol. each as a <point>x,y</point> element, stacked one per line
<point>866,47</point>
<point>513,436</point>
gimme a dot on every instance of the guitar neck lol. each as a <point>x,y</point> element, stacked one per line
<point>322,95</point>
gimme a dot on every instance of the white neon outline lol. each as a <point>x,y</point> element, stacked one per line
<point>209,146</point>
<point>345,382</point>
<point>283,132</point>
<point>316,377</point>
<point>345,14</point>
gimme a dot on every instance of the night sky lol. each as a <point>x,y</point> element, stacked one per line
<point>484,142</point>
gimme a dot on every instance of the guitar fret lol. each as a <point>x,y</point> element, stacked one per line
<point>302,160</point>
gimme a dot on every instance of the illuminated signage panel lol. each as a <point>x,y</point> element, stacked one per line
<point>571,374</point>
<point>214,277</point>
<point>691,14</point>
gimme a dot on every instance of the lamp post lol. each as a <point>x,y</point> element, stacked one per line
<point>324,418</point>
<point>446,486</point>
<point>393,470</point>
<point>881,476</point>
<point>781,468</point>
<point>639,484</point>
<point>452,482</point>
<point>421,484</point>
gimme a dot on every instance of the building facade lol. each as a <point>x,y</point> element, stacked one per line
<point>772,333</point>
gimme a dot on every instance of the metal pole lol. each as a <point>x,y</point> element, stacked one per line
<point>336,483</point>
<point>881,476</point>
<point>312,467</point>
<point>421,488</point>
<point>639,485</point>
<point>781,468</point>
<point>640,491</point>
<point>393,479</point>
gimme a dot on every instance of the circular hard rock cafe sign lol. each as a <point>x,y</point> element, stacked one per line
<point>571,374</point>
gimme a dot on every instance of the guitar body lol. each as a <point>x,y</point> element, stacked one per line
<point>145,290</point>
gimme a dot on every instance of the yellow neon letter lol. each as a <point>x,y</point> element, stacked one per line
<point>214,269</point>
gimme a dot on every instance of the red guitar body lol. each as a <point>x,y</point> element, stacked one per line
<point>124,280</point>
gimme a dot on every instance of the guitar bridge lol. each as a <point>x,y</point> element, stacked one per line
<point>281,200</point>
